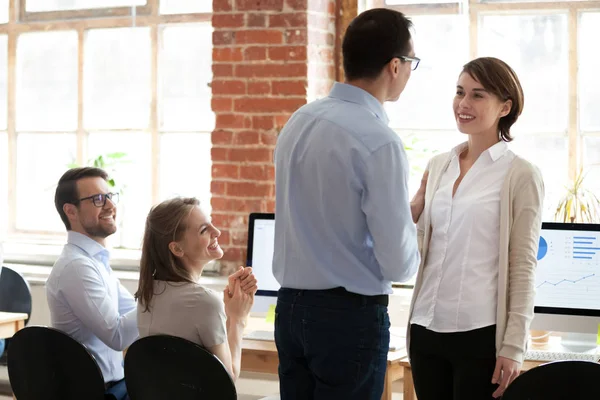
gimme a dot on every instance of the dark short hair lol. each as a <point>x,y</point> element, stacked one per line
<point>498,78</point>
<point>372,40</point>
<point>66,191</point>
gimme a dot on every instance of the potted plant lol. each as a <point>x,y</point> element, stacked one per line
<point>579,204</point>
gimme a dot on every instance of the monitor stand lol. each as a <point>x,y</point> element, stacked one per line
<point>579,342</point>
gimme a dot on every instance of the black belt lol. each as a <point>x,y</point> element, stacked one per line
<point>381,299</point>
<point>108,385</point>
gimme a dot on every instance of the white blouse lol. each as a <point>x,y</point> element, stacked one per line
<point>460,277</point>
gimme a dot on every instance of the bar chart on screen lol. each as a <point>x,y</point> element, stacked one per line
<point>568,272</point>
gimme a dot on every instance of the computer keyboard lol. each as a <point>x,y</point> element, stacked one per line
<point>544,355</point>
<point>260,335</point>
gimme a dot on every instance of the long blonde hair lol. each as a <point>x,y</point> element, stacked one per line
<point>165,223</point>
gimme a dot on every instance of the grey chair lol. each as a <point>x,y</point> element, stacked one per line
<point>559,380</point>
<point>164,367</point>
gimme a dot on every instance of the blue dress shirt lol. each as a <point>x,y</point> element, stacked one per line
<point>342,208</point>
<point>88,302</point>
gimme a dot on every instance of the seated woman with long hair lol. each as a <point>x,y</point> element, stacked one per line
<point>178,242</point>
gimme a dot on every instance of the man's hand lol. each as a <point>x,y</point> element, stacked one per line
<point>506,371</point>
<point>418,202</point>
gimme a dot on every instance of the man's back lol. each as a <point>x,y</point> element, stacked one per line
<point>328,160</point>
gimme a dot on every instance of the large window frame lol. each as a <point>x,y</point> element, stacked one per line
<point>476,9</point>
<point>21,21</point>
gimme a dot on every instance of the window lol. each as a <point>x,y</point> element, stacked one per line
<point>553,51</point>
<point>92,87</point>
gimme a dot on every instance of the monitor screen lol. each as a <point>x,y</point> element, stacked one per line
<point>261,240</point>
<point>568,270</point>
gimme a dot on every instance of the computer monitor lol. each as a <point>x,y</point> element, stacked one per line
<point>261,241</point>
<point>567,283</point>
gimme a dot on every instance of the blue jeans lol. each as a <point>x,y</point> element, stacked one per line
<point>330,346</point>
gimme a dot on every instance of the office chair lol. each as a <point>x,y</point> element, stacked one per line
<point>559,380</point>
<point>47,364</point>
<point>166,367</point>
<point>15,296</point>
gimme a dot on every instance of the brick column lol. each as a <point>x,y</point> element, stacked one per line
<point>269,58</point>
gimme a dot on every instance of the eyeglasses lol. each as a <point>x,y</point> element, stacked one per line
<point>414,61</point>
<point>99,199</point>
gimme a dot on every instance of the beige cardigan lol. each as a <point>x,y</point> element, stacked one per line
<point>520,223</point>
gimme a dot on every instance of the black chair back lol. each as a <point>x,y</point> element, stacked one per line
<point>47,364</point>
<point>167,367</point>
<point>15,294</point>
<point>559,380</point>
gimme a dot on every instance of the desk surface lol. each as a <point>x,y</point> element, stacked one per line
<point>8,317</point>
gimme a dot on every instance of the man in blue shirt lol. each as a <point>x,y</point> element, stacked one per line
<point>343,226</point>
<point>86,299</point>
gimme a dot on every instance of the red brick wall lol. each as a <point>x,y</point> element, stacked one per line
<point>269,58</point>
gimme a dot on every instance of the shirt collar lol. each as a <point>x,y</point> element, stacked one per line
<point>495,152</point>
<point>354,94</point>
<point>90,246</point>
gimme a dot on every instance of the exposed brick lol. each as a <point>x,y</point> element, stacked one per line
<point>259,5</point>
<point>296,4</point>
<point>281,88</point>
<point>223,87</point>
<point>236,205</point>
<point>219,154</point>
<point>255,53</point>
<point>287,53</point>
<point>250,105</point>
<point>261,122</point>
<point>227,171</point>
<point>288,20</point>
<point>230,121</point>
<point>223,218</point>
<point>221,104</point>
<point>246,138</point>
<point>227,54</point>
<point>222,5</point>
<point>261,155</point>
<point>257,172</point>
<point>281,120</point>
<point>223,37</point>
<point>249,189</point>
<point>270,206</point>
<point>257,88</point>
<point>289,70</point>
<point>296,36</point>
<point>263,36</point>
<point>222,70</point>
<point>269,138</point>
<point>227,20</point>
<point>221,137</point>
<point>234,254</point>
<point>224,239</point>
<point>256,20</point>
<point>217,187</point>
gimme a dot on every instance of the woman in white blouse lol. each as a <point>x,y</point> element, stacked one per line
<point>480,217</point>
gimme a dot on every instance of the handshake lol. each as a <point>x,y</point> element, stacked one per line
<point>239,293</point>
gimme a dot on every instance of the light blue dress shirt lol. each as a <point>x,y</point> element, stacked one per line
<point>342,208</point>
<point>88,302</point>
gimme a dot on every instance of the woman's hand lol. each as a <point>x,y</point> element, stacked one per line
<point>248,281</point>
<point>237,303</point>
<point>417,204</point>
<point>506,371</point>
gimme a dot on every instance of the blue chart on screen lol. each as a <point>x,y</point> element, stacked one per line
<point>543,249</point>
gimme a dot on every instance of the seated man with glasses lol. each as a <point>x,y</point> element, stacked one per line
<point>86,299</point>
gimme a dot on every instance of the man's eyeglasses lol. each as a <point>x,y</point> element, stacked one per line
<point>414,61</point>
<point>99,199</point>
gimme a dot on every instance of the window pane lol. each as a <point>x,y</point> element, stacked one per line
<point>183,155</point>
<point>117,78</point>
<point>58,5</point>
<point>3,80</point>
<point>536,48</point>
<point>185,73</point>
<point>41,161</point>
<point>3,185</point>
<point>132,174</point>
<point>589,65</point>
<point>47,81</point>
<point>426,103</point>
<point>420,147</point>
<point>3,11</point>
<point>591,153</point>
<point>185,6</point>
<point>550,155</point>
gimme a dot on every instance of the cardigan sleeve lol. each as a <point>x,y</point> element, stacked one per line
<point>527,195</point>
